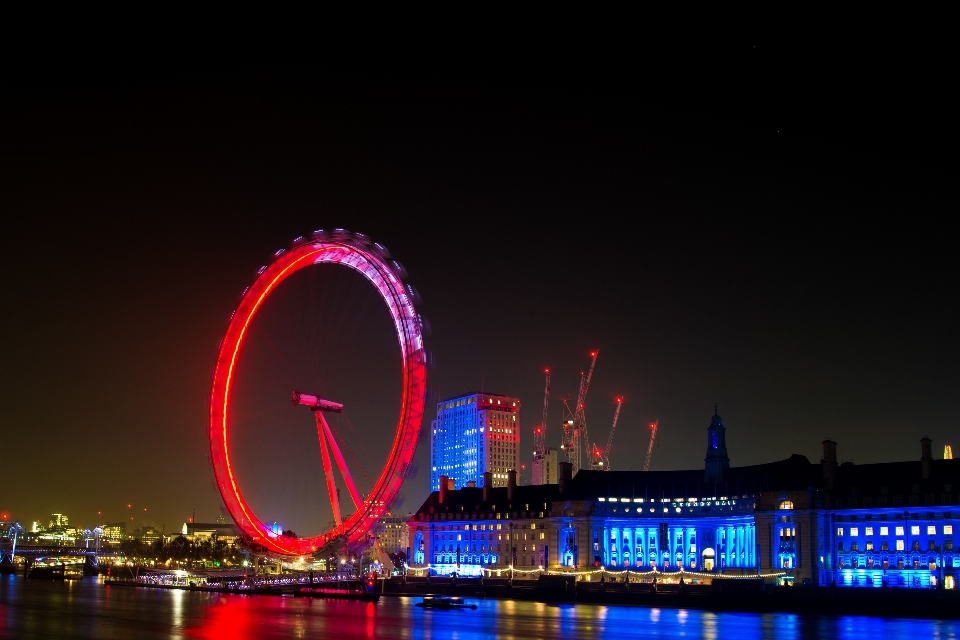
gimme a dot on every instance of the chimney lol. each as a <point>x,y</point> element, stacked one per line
<point>511,483</point>
<point>565,475</point>
<point>471,483</point>
<point>926,458</point>
<point>443,488</point>
<point>829,463</point>
<point>487,485</point>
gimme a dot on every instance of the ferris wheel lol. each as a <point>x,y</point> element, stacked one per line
<point>371,260</point>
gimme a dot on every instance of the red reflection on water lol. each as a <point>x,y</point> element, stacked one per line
<point>231,618</point>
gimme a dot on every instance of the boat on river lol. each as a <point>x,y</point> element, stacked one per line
<point>445,602</point>
<point>339,590</point>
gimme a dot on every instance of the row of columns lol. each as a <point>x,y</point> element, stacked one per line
<point>734,544</point>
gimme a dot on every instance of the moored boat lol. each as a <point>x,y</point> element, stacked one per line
<point>445,602</point>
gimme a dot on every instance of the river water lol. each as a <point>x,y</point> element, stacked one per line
<point>88,609</point>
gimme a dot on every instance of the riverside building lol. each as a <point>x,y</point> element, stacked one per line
<point>789,521</point>
<point>472,435</point>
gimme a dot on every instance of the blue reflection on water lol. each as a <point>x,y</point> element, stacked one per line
<point>88,609</point>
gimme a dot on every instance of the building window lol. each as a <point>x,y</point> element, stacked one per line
<point>854,532</point>
<point>931,530</point>
<point>839,532</point>
<point>915,530</point>
<point>899,545</point>
<point>899,531</point>
<point>868,531</point>
<point>786,504</point>
<point>884,531</point>
<point>948,529</point>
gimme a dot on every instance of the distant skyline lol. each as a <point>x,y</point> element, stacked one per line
<point>759,227</point>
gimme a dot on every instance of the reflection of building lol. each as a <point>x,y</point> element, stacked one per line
<point>865,525</point>
<point>474,434</point>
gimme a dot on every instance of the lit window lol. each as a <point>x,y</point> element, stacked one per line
<point>786,504</point>
<point>854,532</point>
<point>868,531</point>
<point>839,532</point>
<point>899,531</point>
<point>899,545</point>
<point>931,530</point>
<point>915,530</point>
<point>884,531</point>
<point>948,529</point>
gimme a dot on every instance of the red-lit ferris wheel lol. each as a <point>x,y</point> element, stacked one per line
<point>373,262</point>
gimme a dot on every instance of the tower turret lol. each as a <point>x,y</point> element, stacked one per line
<point>717,461</point>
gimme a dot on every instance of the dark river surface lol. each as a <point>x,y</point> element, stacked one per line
<point>88,609</point>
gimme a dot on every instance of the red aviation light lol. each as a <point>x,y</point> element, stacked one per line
<point>546,370</point>
<point>593,354</point>
<point>5,516</point>
<point>620,399</point>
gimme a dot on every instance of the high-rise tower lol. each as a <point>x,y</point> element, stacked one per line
<point>473,434</point>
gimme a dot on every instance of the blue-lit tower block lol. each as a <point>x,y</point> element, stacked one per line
<point>474,434</point>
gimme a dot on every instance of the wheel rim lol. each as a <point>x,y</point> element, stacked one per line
<point>371,262</point>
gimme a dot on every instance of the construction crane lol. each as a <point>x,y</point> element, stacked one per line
<point>613,428</point>
<point>653,436</point>
<point>575,432</point>
<point>600,458</point>
<point>540,435</point>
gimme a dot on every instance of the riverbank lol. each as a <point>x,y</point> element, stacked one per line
<point>747,596</point>
<point>723,595</point>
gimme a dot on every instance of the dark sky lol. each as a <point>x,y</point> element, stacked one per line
<point>762,225</point>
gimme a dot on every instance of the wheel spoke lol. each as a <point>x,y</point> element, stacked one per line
<point>344,471</point>
<point>327,470</point>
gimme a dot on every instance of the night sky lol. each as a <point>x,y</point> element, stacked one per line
<point>764,226</point>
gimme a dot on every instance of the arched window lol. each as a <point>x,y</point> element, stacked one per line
<point>785,504</point>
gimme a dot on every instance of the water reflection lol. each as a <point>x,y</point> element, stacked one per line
<point>41,609</point>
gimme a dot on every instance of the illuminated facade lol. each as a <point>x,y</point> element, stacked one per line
<point>544,469</point>
<point>890,524</point>
<point>392,534</point>
<point>472,435</point>
<point>791,521</point>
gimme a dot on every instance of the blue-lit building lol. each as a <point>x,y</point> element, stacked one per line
<point>792,521</point>
<point>890,524</point>
<point>474,434</point>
